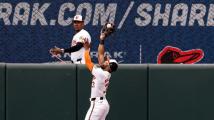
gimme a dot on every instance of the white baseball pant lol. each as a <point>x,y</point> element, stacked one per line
<point>98,110</point>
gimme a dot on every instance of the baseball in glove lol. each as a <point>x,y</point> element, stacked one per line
<point>108,29</point>
<point>56,51</point>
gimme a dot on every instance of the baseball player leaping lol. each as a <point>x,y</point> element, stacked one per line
<point>99,107</point>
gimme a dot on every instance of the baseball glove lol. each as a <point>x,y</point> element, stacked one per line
<point>55,51</point>
<point>108,29</point>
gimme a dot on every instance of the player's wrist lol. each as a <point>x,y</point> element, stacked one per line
<point>102,36</point>
<point>62,50</point>
<point>102,42</point>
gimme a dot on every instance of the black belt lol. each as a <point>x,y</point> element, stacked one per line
<point>77,60</point>
<point>93,99</point>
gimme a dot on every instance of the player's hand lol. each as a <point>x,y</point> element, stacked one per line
<point>55,51</point>
<point>106,58</point>
<point>102,36</point>
<point>86,45</point>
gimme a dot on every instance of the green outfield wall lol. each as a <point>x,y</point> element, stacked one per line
<point>2,91</point>
<point>181,92</point>
<point>40,92</point>
<point>136,92</point>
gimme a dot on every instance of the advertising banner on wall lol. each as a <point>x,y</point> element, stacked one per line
<point>152,31</point>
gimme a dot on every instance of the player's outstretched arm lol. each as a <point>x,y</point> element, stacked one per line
<point>89,64</point>
<point>101,49</point>
<point>56,50</point>
<point>106,31</point>
<point>75,48</point>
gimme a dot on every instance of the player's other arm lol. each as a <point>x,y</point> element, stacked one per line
<point>75,48</point>
<point>79,45</point>
<point>57,50</point>
<point>89,64</point>
<point>101,49</point>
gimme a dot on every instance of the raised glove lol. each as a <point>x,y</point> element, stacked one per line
<point>108,29</point>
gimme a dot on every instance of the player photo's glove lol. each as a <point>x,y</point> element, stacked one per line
<point>108,29</point>
<point>56,51</point>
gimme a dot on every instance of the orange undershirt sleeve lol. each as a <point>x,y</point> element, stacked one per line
<point>88,62</point>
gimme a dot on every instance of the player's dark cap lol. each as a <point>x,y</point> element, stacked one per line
<point>113,65</point>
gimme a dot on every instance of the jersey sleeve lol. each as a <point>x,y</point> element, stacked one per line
<point>84,37</point>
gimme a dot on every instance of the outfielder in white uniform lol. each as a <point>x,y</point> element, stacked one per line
<point>99,107</point>
<point>81,36</point>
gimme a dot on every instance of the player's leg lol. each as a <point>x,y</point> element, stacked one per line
<point>106,109</point>
<point>100,110</point>
<point>90,110</point>
<point>94,112</point>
